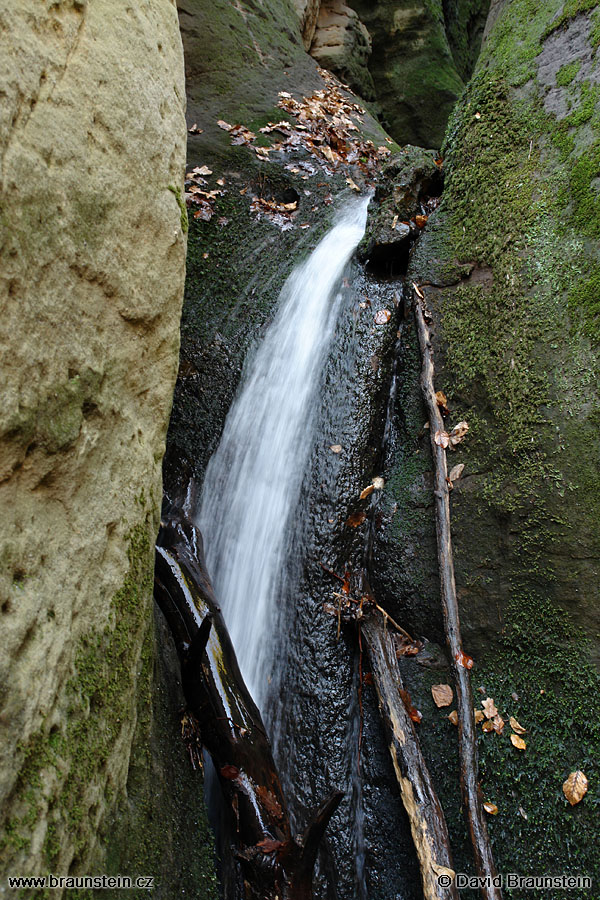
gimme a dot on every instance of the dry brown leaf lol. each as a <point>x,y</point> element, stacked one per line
<point>356,519</point>
<point>382,316</point>
<point>490,808</point>
<point>489,708</point>
<point>441,398</point>
<point>575,787</point>
<point>442,438</point>
<point>421,221</point>
<point>336,448</point>
<point>518,742</point>
<point>442,694</point>
<point>458,433</point>
<point>498,723</point>
<point>488,726</point>
<point>516,727</point>
<point>224,125</point>
<point>453,717</point>
<point>418,291</point>
<point>352,184</point>
<point>368,490</point>
<point>195,130</point>
<point>269,845</point>
<point>456,472</point>
<point>394,222</point>
<point>479,716</point>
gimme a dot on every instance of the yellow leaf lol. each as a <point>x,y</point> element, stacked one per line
<point>498,723</point>
<point>453,717</point>
<point>442,694</point>
<point>518,742</point>
<point>488,726</point>
<point>575,787</point>
<point>490,808</point>
<point>368,490</point>
<point>516,727</point>
<point>479,716</point>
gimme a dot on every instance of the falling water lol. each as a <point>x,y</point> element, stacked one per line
<point>253,480</point>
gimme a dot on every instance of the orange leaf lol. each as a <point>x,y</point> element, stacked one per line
<point>516,727</point>
<point>463,660</point>
<point>489,708</point>
<point>421,221</point>
<point>490,808</point>
<point>442,694</point>
<point>453,717</point>
<point>368,490</point>
<point>356,519</point>
<point>230,772</point>
<point>269,845</point>
<point>575,787</point>
<point>518,742</point>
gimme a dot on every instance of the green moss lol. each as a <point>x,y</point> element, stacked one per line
<point>567,73</point>
<point>182,207</point>
<point>584,297</point>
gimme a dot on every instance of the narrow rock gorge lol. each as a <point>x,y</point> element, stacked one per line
<point>165,169</point>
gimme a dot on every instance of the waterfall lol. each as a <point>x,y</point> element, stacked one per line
<point>253,480</point>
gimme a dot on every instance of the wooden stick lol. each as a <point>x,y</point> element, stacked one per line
<point>275,864</point>
<point>427,822</point>
<point>467,741</point>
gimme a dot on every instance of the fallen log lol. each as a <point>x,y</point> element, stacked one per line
<point>274,865</point>
<point>425,814</point>
<point>467,741</point>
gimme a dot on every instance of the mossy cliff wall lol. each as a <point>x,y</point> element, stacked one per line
<point>509,265</point>
<point>92,136</point>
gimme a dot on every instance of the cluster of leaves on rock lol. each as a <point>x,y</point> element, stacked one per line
<point>325,128</point>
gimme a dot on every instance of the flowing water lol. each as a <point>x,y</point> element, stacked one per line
<point>253,481</point>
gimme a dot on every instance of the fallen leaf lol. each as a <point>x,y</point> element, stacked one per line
<point>406,647</point>
<point>515,696</point>
<point>193,129</point>
<point>442,694</point>
<point>456,472</point>
<point>418,291</point>
<point>490,808</point>
<point>413,713</point>
<point>498,723</point>
<point>268,845</point>
<point>463,660</point>
<point>202,170</point>
<point>523,813</point>
<point>488,726</point>
<point>441,399</point>
<point>270,801</point>
<point>479,716</point>
<point>220,181</point>
<point>518,742</point>
<point>230,772</point>
<point>458,433</point>
<point>382,316</point>
<point>336,448</point>
<point>575,787</point>
<point>421,221</point>
<point>489,708</point>
<point>365,493</point>
<point>516,727</point>
<point>394,222</point>
<point>441,438</point>
<point>290,206</point>
<point>352,184</point>
<point>453,717</point>
<point>224,125</point>
<point>356,519</point>
<point>378,483</point>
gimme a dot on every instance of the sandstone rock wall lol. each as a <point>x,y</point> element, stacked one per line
<point>92,253</point>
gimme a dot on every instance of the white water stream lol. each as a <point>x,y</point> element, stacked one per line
<point>253,480</point>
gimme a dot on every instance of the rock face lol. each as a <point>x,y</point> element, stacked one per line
<point>509,266</point>
<point>93,236</point>
<point>308,13</point>
<point>342,44</point>
<point>421,52</point>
